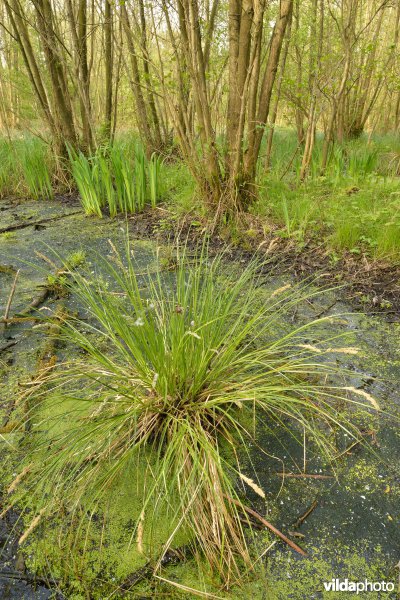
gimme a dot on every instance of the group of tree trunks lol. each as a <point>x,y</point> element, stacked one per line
<point>212,76</point>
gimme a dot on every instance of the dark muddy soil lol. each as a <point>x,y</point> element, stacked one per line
<point>370,286</point>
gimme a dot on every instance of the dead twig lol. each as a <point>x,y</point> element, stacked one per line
<point>304,516</point>
<point>325,310</point>
<point>267,524</point>
<point>11,296</point>
<point>305,475</point>
<point>13,320</point>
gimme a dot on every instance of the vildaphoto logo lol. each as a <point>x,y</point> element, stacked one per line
<point>358,587</point>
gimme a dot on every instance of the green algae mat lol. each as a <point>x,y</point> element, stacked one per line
<point>345,515</point>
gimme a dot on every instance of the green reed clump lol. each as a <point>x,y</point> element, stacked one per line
<point>85,176</point>
<point>117,179</point>
<point>8,177</point>
<point>34,160</point>
<point>154,168</point>
<point>26,168</point>
<point>177,364</point>
<point>124,180</point>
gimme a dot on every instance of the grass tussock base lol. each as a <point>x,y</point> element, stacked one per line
<point>172,368</point>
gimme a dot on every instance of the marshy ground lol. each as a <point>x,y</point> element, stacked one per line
<point>345,515</point>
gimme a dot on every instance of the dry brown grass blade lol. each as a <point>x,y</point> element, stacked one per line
<point>32,526</point>
<point>280,290</point>
<point>14,484</point>
<point>364,394</point>
<point>253,485</point>
<point>139,536</point>
<point>186,588</point>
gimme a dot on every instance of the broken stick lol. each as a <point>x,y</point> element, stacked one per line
<point>267,524</point>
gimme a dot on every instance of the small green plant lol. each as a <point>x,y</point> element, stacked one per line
<point>57,284</point>
<point>177,367</point>
<point>76,259</point>
<point>8,235</point>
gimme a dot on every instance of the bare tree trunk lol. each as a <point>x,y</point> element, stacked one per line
<point>61,94</point>
<point>330,127</point>
<point>358,107</point>
<point>78,28</point>
<point>299,115</point>
<point>108,55</point>
<point>22,37</point>
<point>141,113</point>
<point>275,107</point>
<point>147,78</point>
<point>315,66</point>
<point>348,18</point>
<point>256,129</point>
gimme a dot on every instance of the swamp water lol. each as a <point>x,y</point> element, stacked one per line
<point>352,528</point>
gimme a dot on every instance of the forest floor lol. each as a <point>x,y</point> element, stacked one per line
<point>370,285</point>
<point>345,516</point>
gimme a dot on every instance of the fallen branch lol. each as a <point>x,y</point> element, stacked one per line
<point>8,345</point>
<point>13,320</point>
<point>271,527</point>
<point>44,294</point>
<point>17,226</point>
<point>35,303</point>
<point>305,475</point>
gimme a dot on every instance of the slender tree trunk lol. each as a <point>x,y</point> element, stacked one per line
<point>61,95</point>
<point>147,79</point>
<point>299,114</point>
<point>275,107</point>
<point>108,56</point>
<point>78,28</point>
<point>141,113</point>
<point>315,66</point>
<point>256,129</point>
<point>23,39</point>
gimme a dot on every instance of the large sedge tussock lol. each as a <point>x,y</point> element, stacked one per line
<point>175,364</point>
